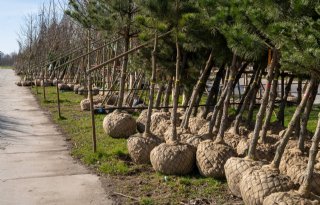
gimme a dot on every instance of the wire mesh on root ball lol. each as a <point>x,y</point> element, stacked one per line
<point>256,185</point>
<point>173,159</point>
<point>119,125</point>
<point>211,157</point>
<point>140,145</point>
<point>235,168</point>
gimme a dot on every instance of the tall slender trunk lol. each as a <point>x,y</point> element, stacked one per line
<point>305,117</point>
<point>153,81</point>
<point>201,92</point>
<point>283,103</point>
<point>247,96</point>
<point>270,106</point>
<point>185,121</point>
<point>174,116</point>
<point>239,74</point>
<point>124,68</point>
<point>248,88</point>
<point>263,106</point>
<point>186,94</point>
<point>214,91</point>
<point>167,95</point>
<point>299,96</point>
<point>304,189</point>
<point>217,109</point>
<point>225,111</point>
<point>159,96</point>
<point>280,149</point>
<point>253,102</point>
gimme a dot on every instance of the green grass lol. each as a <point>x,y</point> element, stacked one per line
<point>112,157</point>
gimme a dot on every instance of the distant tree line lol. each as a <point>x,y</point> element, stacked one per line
<point>7,59</point>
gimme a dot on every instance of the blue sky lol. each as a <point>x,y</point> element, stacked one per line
<point>12,15</point>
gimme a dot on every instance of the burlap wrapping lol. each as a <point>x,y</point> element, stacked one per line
<point>235,168</point>
<point>288,198</point>
<point>142,120</point>
<point>195,123</point>
<point>297,175</point>
<point>119,125</point>
<point>160,121</point>
<point>211,158</point>
<point>85,103</point>
<point>82,91</point>
<point>192,139</point>
<point>64,87</point>
<point>256,185</point>
<point>71,86</point>
<point>173,159</point>
<point>76,88</point>
<point>292,157</point>
<point>139,147</point>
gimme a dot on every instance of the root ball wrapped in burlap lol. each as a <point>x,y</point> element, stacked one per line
<point>288,198</point>
<point>256,185</point>
<point>297,175</point>
<point>292,157</point>
<point>19,83</point>
<point>211,158</point>
<point>235,168</point>
<point>173,159</point>
<point>192,139</point>
<point>119,125</point>
<point>71,86</point>
<point>140,146</point>
<point>76,88</point>
<point>85,103</point>
<point>62,86</point>
<point>142,120</point>
<point>196,123</point>
<point>82,91</point>
<point>160,121</point>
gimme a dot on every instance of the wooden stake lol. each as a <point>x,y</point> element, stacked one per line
<point>58,99</point>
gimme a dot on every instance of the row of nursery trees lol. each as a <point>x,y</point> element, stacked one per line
<point>177,45</point>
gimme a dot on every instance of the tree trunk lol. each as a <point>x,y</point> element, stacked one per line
<point>263,106</point>
<point>167,95</point>
<point>174,116</point>
<point>299,96</point>
<point>249,87</point>
<point>239,74</point>
<point>246,99</point>
<point>213,92</point>
<point>305,117</point>
<point>124,68</point>
<point>217,109</point>
<point>280,149</point>
<point>186,94</point>
<point>225,111</point>
<point>270,106</point>
<point>152,81</point>
<point>201,92</point>
<point>283,103</point>
<point>159,96</point>
<point>185,121</point>
<point>304,189</point>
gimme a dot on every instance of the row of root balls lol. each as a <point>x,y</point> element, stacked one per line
<point>254,181</point>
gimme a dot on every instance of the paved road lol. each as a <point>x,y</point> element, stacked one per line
<point>35,165</point>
